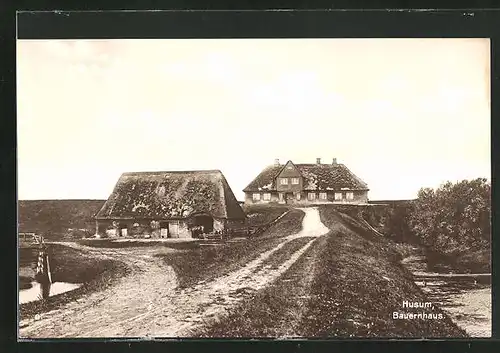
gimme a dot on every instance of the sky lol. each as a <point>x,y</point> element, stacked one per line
<point>399,113</point>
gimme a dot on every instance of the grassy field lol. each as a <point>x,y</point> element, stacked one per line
<point>205,263</point>
<point>262,214</point>
<point>348,284</point>
<point>53,218</point>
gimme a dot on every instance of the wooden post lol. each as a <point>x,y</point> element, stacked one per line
<point>48,268</point>
<point>43,275</point>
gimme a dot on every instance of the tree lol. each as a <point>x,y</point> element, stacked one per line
<point>455,217</point>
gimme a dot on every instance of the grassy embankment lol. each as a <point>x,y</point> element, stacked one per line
<point>57,219</point>
<point>258,215</point>
<point>208,262</point>
<point>68,265</point>
<point>348,284</point>
<point>392,220</point>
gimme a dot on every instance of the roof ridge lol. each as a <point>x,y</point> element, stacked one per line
<point>319,165</point>
<point>172,172</point>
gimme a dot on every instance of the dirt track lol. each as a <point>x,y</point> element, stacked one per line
<point>147,303</point>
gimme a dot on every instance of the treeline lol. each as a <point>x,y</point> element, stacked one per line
<point>453,220</point>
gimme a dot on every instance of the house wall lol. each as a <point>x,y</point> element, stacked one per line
<point>289,172</point>
<point>106,227</point>
<point>249,198</point>
<point>179,229</point>
<point>176,228</point>
<point>359,197</point>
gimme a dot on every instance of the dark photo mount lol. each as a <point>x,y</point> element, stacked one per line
<point>71,25</point>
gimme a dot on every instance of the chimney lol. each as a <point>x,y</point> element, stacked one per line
<point>318,160</point>
<point>276,161</point>
<point>334,161</point>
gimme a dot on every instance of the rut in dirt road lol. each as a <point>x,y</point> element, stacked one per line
<point>149,304</point>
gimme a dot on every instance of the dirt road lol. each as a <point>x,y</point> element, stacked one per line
<point>147,303</point>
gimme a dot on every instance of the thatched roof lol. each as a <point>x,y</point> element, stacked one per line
<point>316,177</point>
<point>171,195</point>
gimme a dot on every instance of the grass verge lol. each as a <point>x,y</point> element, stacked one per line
<point>284,253</point>
<point>263,214</point>
<point>206,263</point>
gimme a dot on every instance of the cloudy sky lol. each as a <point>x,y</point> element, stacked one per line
<point>401,114</point>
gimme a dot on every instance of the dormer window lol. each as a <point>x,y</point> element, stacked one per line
<point>283,181</point>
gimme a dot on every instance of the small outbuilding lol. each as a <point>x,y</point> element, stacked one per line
<point>172,204</point>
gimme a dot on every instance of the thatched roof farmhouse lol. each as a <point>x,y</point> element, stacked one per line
<point>169,204</point>
<point>317,183</point>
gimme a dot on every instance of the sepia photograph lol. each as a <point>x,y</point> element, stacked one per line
<point>254,188</point>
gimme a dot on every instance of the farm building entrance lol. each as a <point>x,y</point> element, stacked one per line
<point>206,221</point>
<point>164,230</point>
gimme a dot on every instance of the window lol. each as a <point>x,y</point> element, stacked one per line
<point>298,196</point>
<point>283,181</point>
<point>295,181</point>
<point>256,197</point>
<point>267,197</point>
<point>349,195</point>
<point>311,196</point>
<point>322,195</point>
<point>338,196</point>
<point>281,197</point>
